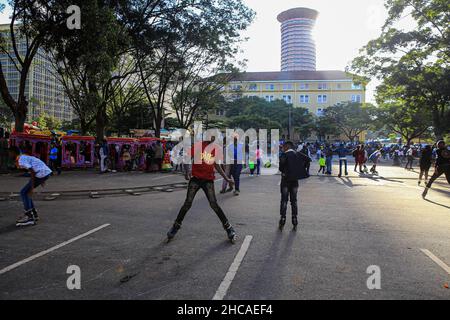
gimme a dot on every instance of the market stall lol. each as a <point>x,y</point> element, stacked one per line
<point>77,152</point>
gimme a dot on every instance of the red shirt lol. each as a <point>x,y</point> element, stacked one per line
<point>205,170</point>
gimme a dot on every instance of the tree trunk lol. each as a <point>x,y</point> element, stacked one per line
<point>20,116</point>
<point>100,124</point>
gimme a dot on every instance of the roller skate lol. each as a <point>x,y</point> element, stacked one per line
<point>282,223</point>
<point>173,232</point>
<point>230,233</point>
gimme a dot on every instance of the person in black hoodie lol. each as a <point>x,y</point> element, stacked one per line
<point>442,166</point>
<point>293,168</point>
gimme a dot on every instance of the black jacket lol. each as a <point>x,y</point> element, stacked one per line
<point>293,166</point>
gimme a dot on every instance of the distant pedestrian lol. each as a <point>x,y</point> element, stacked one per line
<point>409,158</point>
<point>54,159</point>
<point>104,153</point>
<point>3,152</point>
<point>342,152</point>
<point>159,154</point>
<point>329,160</point>
<point>39,175</point>
<point>442,166</point>
<point>322,164</point>
<point>237,151</point>
<point>425,163</point>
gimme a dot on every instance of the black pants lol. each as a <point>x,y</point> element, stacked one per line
<point>208,187</point>
<point>409,163</point>
<point>289,190</point>
<point>445,169</point>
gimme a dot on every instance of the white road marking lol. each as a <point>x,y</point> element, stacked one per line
<point>226,283</point>
<point>43,253</point>
<point>438,261</point>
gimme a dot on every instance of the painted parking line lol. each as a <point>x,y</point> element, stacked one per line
<point>438,261</point>
<point>226,283</point>
<point>43,253</point>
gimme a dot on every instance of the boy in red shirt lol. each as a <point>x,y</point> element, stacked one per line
<point>205,159</point>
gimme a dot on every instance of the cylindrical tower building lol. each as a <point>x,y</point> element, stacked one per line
<point>298,49</point>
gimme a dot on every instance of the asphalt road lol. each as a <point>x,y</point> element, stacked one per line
<point>347,225</point>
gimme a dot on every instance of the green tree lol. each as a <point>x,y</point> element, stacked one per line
<point>417,59</point>
<point>253,121</point>
<point>178,45</point>
<point>47,122</point>
<point>351,119</point>
<point>406,117</point>
<point>324,127</point>
<point>87,60</point>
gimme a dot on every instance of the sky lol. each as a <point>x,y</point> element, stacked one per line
<point>343,27</point>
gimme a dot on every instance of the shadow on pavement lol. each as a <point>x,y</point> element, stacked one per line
<point>10,229</point>
<point>269,276</point>
<point>438,204</point>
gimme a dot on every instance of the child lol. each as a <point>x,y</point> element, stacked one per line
<point>322,163</point>
<point>39,175</point>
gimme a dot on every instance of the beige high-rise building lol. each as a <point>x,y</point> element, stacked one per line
<point>43,90</point>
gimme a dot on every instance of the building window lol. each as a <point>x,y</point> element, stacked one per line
<point>322,98</point>
<point>304,86</point>
<point>270,87</point>
<point>253,87</point>
<point>356,86</point>
<point>323,86</point>
<point>304,98</point>
<point>356,98</point>
<point>287,99</point>
<point>339,86</point>
<point>270,98</point>
<point>320,112</point>
<point>236,87</point>
<point>288,86</point>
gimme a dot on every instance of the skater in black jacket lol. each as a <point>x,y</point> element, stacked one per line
<point>293,168</point>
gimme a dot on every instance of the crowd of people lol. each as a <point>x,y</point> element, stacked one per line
<point>295,164</point>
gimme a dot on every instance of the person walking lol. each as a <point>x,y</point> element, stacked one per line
<point>201,176</point>
<point>103,156</point>
<point>306,151</point>
<point>158,156</point>
<point>259,154</point>
<point>329,160</point>
<point>292,168</point>
<point>40,173</point>
<point>54,159</point>
<point>425,163</point>
<point>410,158</point>
<point>3,152</point>
<point>238,161</point>
<point>442,166</point>
<point>358,161</point>
<point>342,153</point>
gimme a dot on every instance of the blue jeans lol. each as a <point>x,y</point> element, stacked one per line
<point>25,193</point>
<point>329,165</point>
<point>236,171</point>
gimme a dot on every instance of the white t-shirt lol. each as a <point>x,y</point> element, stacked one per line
<point>39,167</point>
